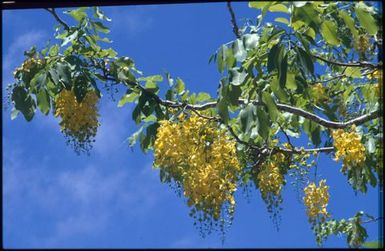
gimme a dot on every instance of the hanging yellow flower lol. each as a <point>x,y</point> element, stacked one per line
<point>316,200</point>
<point>79,120</point>
<point>349,147</point>
<point>202,158</point>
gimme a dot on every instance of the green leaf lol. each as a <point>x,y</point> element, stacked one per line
<point>353,72</point>
<point>272,59</point>
<point>170,95</point>
<point>263,123</point>
<point>247,118</point>
<point>329,32</point>
<point>258,4</point>
<point>282,20</point>
<point>136,113</point>
<point>100,27</point>
<point>14,113</point>
<point>233,94</point>
<point>43,101</point>
<point>125,62</point>
<point>179,86</point>
<point>278,92</point>
<point>271,106</point>
<point>282,71</point>
<point>147,142</point>
<point>297,24</point>
<point>349,21</point>
<point>290,81</point>
<point>313,130</point>
<point>308,14</point>
<point>80,89</point>
<point>39,80</point>
<point>54,50</point>
<point>239,50</point>
<point>151,118</point>
<point>213,58</point>
<point>77,14</point>
<point>203,96</point>
<point>70,38</point>
<point>305,60</point>
<point>310,32</point>
<point>23,102</point>
<point>104,39</point>
<point>299,4</point>
<point>230,59</point>
<point>152,78</point>
<point>150,85</point>
<point>99,14</point>
<point>223,110</point>
<point>135,136</point>
<point>128,98</point>
<point>250,41</point>
<point>221,58</point>
<point>236,76</point>
<point>371,145</point>
<point>278,8</point>
<point>366,19</point>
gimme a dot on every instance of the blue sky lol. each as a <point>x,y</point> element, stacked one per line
<point>113,198</point>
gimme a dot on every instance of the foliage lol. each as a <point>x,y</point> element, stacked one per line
<point>313,72</point>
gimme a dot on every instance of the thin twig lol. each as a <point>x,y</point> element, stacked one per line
<point>354,64</point>
<point>302,150</point>
<point>233,20</point>
<point>373,220</point>
<point>287,136</point>
<point>231,130</point>
<point>53,12</point>
<point>205,117</point>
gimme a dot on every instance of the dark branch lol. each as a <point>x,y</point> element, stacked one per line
<point>309,150</point>
<point>355,64</point>
<point>233,20</point>
<point>373,220</point>
<point>286,108</point>
<point>53,12</point>
<point>230,129</point>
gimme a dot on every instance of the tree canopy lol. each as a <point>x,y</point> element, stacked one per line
<point>315,72</point>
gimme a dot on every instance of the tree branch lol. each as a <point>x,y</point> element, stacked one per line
<point>355,64</point>
<point>233,20</point>
<point>373,220</point>
<point>53,12</point>
<point>309,150</point>
<point>282,107</point>
<point>287,108</point>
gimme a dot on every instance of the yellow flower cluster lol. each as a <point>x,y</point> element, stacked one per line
<point>362,44</point>
<point>28,65</point>
<point>79,119</point>
<point>316,200</point>
<point>319,92</point>
<point>203,159</point>
<point>349,147</point>
<point>270,179</point>
<point>377,89</point>
<point>377,74</point>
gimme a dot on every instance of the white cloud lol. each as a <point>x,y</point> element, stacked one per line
<point>77,201</point>
<point>97,196</point>
<point>131,19</point>
<point>114,129</point>
<point>23,42</point>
